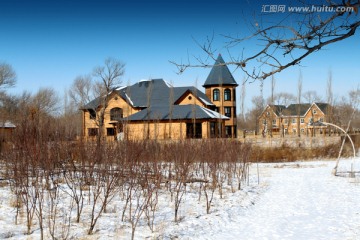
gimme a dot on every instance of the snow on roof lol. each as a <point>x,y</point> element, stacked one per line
<point>129,99</point>
<point>7,124</point>
<point>206,102</point>
<point>144,80</point>
<point>119,88</point>
<point>213,114</point>
<point>168,84</point>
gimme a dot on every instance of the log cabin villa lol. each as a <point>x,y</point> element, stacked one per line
<point>154,109</point>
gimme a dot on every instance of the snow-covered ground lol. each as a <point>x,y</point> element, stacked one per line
<point>301,200</point>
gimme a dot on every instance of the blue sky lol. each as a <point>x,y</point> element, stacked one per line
<point>50,43</point>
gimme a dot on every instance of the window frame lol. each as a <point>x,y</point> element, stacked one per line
<point>216,94</point>
<point>227,94</point>
<point>227,113</point>
<point>116,114</point>
<point>92,114</point>
<point>228,131</point>
<point>110,131</point>
<point>93,132</point>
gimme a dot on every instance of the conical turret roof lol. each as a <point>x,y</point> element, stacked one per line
<point>220,75</point>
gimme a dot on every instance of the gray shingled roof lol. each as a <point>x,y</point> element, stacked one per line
<point>178,112</point>
<point>292,109</point>
<point>324,107</point>
<point>220,74</point>
<point>278,109</point>
<point>154,92</point>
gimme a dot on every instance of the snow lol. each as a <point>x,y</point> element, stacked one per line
<point>129,100</point>
<point>7,124</point>
<point>120,88</point>
<point>206,102</point>
<point>169,85</point>
<point>300,200</point>
<point>214,114</point>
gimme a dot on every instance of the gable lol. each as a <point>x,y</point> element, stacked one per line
<point>189,98</point>
<point>179,92</point>
<point>318,113</point>
<point>274,110</point>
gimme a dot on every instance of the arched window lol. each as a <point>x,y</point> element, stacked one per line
<point>116,114</point>
<point>227,95</point>
<point>216,94</point>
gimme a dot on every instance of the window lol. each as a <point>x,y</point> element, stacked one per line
<point>286,121</point>
<point>228,131</point>
<point>92,132</point>
<point>116,114</point>
<point>227,95</point>
<point>274,121</point>
<point>314,111</point>
<point>216,109</point>
<point>193,130</point>
<point>302,130</point>
<point>311,120</point>
<point>302,120</point>
<point>110,131</point>
<point>293,120</point>
<point>227,111</point>
<point>92,114</point>
<point>264,121</point>
<point>216,94</point>
<point>215,129</point>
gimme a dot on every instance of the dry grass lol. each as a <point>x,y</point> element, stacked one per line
<point>290,154</point>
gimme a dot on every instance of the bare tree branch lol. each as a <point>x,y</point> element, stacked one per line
<point>7,76</point>
<point>285,45</point>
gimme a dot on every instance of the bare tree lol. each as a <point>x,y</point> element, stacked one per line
<point>7,76</point>
<point>311,96</point>
<point>46,101</point>
<point>273,84</point>
<point>329,98</point>
<point>287,41</point>
<point>242,98</point>
<point>258,103</point>
<point>107,77</point>
<point>283,98</point>
<point>299,91</point>
<point>81,90</point>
